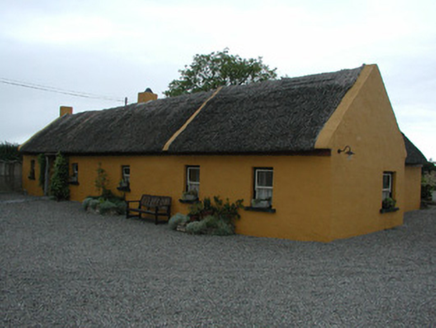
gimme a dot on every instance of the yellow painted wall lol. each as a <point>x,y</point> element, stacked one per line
<point>31,186</point>
<point>412,188</point>
<point>366,122</point>
<point>301,194</point>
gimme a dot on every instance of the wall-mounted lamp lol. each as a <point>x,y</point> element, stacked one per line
<point>347,151</point>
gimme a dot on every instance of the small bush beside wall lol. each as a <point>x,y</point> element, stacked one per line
<point>59,187</point>
<point>177,219</point>
<point>105,206</point>
<point>207,217</point>
<point>211,225</point>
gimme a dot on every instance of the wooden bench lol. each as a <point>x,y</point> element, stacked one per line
<point>148,204</point>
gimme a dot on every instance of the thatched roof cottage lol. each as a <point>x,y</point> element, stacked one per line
<point>325,150</point>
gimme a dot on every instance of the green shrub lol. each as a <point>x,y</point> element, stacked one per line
<point>217,218</point>
<point>176,220</point>
<point>196,227</point>
<point>223,229</point>
<point>42,164</point>
<point>228,211</point>
<point>211,221</point>
<point>196,209</point>
<point>93,203</point>
<point>106,207</point>
<point>85,203</point>
<point>115,205</point>
<point>211,225</point>
<point>102,181</point>
<point>121,207</point>
<point>59,187</point>
<point>426,192</point>
<point>218,227</point>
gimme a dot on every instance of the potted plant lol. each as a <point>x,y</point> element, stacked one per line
<point>190,195</point>
<point>388,203</point>
<point>261,203</point>
<point>124,185</point>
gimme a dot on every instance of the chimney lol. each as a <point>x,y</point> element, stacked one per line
<point>146,96</point>
<point>64,110</point>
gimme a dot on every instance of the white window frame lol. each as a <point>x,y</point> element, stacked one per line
<point>75,172</point>
<point>258,187</point>
<point>192,184</point>
<point>125,175</point>
<point>387,191</point>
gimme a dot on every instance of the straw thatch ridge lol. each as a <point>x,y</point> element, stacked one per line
<point>269,117</point>
<point>414,155</point>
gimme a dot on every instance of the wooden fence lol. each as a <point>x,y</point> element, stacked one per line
<point>10,176</point>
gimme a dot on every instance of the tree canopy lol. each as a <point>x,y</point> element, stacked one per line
<point>9,151</point>
<point>208,72</point>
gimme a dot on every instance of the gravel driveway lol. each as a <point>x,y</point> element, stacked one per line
<point>62,267</point>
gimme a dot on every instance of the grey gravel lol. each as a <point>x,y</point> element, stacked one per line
<point>63,267</point>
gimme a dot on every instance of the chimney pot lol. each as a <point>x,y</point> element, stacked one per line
<point>65,110</point>
<point>146,96</point>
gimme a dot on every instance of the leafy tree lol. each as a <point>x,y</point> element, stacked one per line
<point>59,182</point>
<point>208,72</point>
<point>429,166</point>
<point>9,152</point>
<point>102,181</point>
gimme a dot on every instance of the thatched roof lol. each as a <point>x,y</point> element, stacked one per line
<point>136,128</point>
<point>414,155</point>
<point>269,117</point>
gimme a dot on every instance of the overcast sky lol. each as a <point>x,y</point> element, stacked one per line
<point>115,49</point>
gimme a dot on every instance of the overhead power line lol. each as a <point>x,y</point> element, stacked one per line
<point>58,90</point>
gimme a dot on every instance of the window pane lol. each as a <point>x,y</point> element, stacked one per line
<point>387,190</point>
<point>193,179</point>
<point>264,193</point>
<point>265,178</point>
<point>126,173</point>
<point>263,184</point>
<point>192,187</point>
<point>194,174</point>
<point>386,181</point>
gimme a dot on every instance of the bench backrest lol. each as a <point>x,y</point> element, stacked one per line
<point>155,201</point>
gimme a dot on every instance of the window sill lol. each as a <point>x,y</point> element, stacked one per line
<point>260,209</point>
<point>75,183</point>
<point>389,210</point>
<point>188,201</point>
